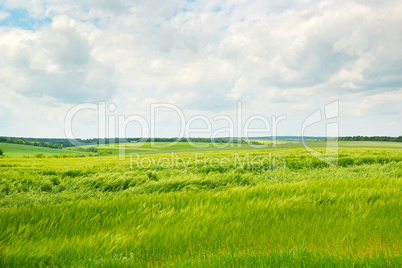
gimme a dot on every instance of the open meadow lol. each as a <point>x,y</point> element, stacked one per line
<point>260,207</point>
<point>163,147</point>
<point>167,147</point>
<point>18,150</point>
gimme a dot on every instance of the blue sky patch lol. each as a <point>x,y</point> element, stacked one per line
<point>20,18</point>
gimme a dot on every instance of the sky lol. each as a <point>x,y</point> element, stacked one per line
<point>200,68</point>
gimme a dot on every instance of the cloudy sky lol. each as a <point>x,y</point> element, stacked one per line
<point>276,58</point>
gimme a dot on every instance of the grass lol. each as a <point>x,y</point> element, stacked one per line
<point>291,222</point>
<point>166,147</point>
<point>362,144</point>
<point>274,142</point>
<point>17,150</point>
<point>191,212</point>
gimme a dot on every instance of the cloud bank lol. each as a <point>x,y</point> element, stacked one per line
<point>276,57</point>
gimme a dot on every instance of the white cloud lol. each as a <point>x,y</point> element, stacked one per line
<point>383,104</point>
<point>55,62</point>
<point>4,15</point>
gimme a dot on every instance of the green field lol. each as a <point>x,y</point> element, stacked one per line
<point>361,144</point>
<point>250,208</point>
<point>17,150</point>
<point>341,144</point>
<point>167,147</point>
<point>159,147</point>
<point>269,142</point>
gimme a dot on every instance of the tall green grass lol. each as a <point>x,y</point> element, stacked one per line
<point>102,212</point>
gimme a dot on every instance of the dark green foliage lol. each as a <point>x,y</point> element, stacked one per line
<point>373,138</point>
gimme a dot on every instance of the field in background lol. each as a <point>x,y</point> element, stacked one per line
<point>18,150</point>
<point>163,147</point>
<point>187,211</point>
<point>266,144</point>
<point>167,147</point>
<point>269,142</point>
<point>361,144</point>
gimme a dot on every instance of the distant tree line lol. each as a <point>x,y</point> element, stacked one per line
<point>365,138</point>
<point>64,143</point>
<point>54,142</point>
<point>39,143</point>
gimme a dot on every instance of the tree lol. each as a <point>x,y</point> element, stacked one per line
<point>1,151</point>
